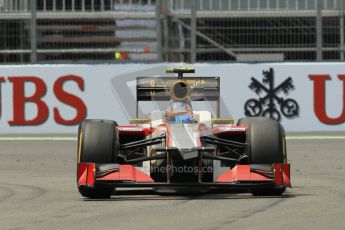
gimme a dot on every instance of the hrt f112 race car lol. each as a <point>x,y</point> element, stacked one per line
<point>182,149</point>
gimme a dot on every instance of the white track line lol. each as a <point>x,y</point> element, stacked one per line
<point>38,139</point>
<point>315,137</point>
<point>288,137</point>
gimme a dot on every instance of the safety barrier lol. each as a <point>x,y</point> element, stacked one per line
<point>55,98</point>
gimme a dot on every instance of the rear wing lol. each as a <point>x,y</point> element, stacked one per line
<point>158,89</point>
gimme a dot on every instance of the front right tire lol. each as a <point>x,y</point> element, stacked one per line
<point>267,145</point>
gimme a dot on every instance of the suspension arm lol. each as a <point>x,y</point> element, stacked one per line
<point>143,143</point>
<point>224,142</point>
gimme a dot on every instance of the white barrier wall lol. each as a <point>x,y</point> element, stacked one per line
<point>54,98</point>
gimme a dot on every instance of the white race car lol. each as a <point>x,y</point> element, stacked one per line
<point>182,149</point>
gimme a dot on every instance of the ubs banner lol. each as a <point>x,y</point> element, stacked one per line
<point>55,98</point>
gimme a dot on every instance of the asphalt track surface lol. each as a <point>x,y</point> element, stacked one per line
<point>38,191</point>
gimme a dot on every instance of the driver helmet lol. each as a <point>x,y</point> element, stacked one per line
<point>179,112</point>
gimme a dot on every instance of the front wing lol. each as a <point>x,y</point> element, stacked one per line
<point>241,176</point>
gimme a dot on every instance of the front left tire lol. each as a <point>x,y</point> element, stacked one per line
<point>97,143</point>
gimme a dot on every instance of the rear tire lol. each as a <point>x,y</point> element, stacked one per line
<point>266,139</point>
<point>97,143</point>
<point>268,192</point>
<point>97,192</point>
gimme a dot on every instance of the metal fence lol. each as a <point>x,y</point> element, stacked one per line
<point>68,31</point>
<point>93,31</point>
<point>253,5</point>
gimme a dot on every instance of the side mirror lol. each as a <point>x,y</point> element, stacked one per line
<point>222,121</point>
<point>138,121</point>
